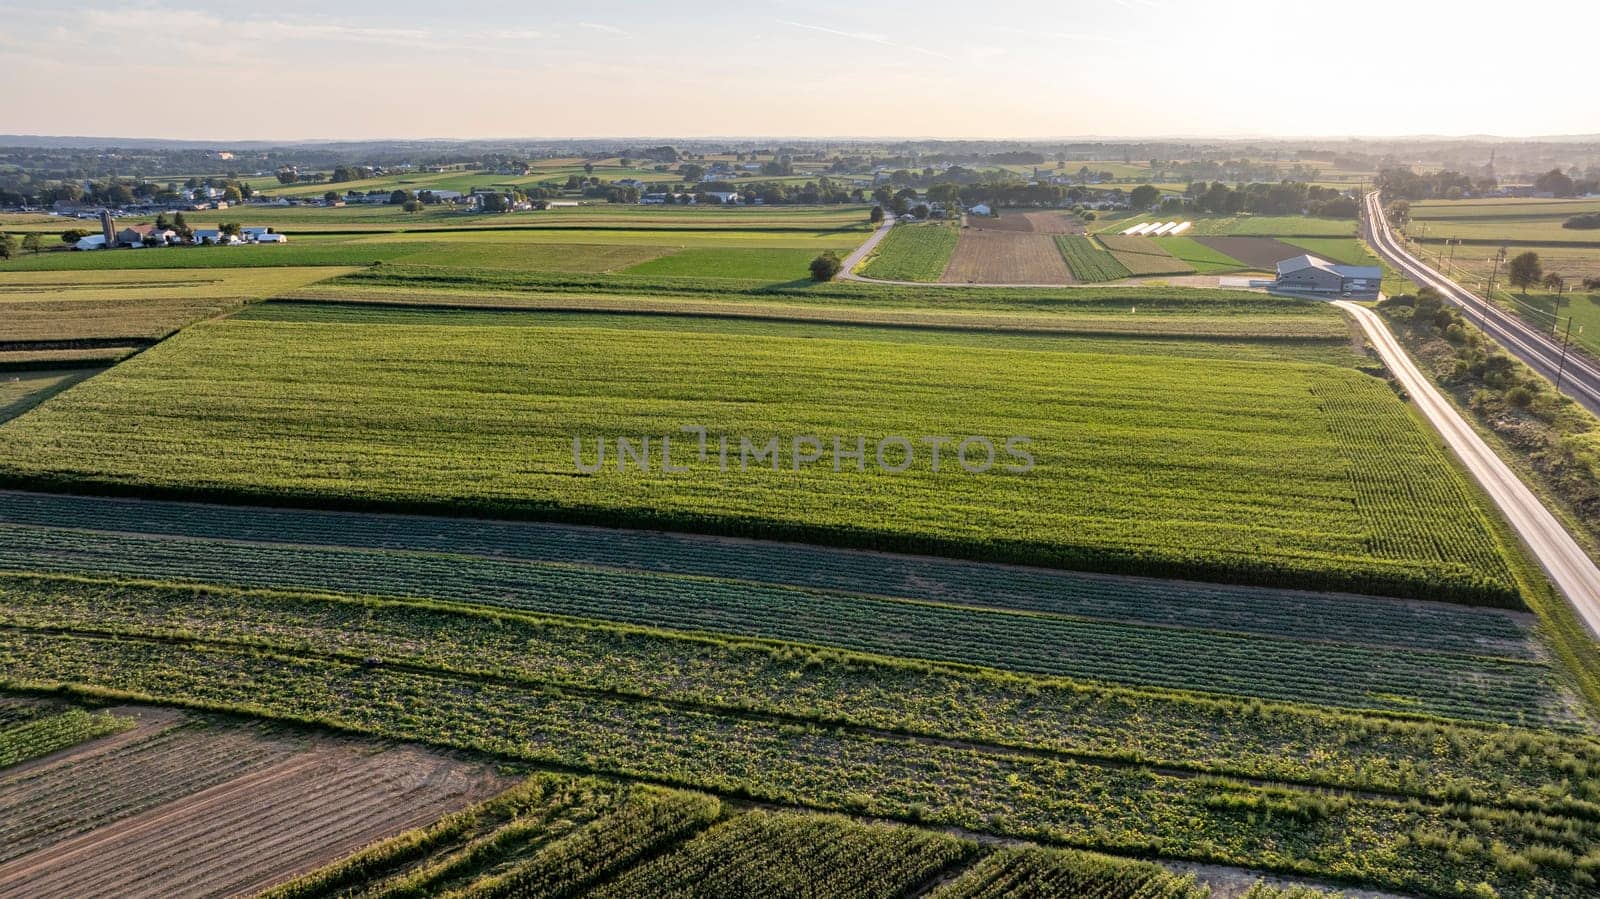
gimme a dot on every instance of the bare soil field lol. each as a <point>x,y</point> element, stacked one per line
<point>1262,253</point>
<point>1032,222</point>
<point>1006,257</point>
<point>178,809</point>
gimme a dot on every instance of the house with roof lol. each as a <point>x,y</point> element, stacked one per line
<point>1312,274</point>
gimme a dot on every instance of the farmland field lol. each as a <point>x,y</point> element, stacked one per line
<point>1088,261</point>
<point>861,771</point>
<point>127,307</point>
<point>1259,253</point>
<point>913,253</point>
<point>1006,257</point>
<point>315,579</point>
<point>1517,221</point>
<point>186,809</point>
<point>1205,259</point>
<point>1144,256</point>
<point>1114,495</point>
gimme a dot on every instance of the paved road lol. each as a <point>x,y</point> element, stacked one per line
<point>1573,572</point>
<point>1538,350</point>
<point>847,269</point>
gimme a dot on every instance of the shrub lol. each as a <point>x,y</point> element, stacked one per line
<point>825,267</point>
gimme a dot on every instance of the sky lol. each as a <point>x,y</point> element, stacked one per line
<point>360,69</point>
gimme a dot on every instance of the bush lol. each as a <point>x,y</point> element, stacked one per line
<point>1519,397</point>
<point>825,267</point>
<point>1583,222</point>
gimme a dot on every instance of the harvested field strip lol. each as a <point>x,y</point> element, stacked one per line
<point>1285,668</point>
<point>1088,262</point>
<point>1214,469</point>
<point>1259,253</point>
<point>243,835</point>
<point>1352,838</point>
<point>912,253</point>
<point>1064,874</point>
<point>790,683</point>
<point>782,855</point>
<point>43,806</point>
<point>40,736</point>
<point>37,360</point>
<point>1005,257</point>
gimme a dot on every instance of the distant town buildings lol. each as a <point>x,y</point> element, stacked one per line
<point>149,235</point>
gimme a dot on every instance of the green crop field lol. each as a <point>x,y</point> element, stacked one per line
<point>1513,220</point>
<point>1115,492</point>
<point>913,253</point>
<point>1220,602</point>
<point>762,265</point>
<point>445,698</point>
<point>1088,261</point>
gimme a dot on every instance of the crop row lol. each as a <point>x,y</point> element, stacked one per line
<point>42,736</point>
<point>1088,261</point>
<point>913,253</point>
<point>1119,809</point>
<point>1139,467</point>
<point>1348,619</point>
<point>648,820</point>
<point>1287,669</point>
<point>540,809</point>
<point>1214,735</point>
<point>1226,736</point>
<point>1144,256</point>
<point>779,854</point>
<point>1064,874</point>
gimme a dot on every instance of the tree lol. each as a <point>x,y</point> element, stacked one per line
<point>331,197</point>
<point>691,172</point>
<point>1554,283</point>
<point>825,267</point>
<point>588,168</point>
<point>1525,270</point>
<point>230,229</point>
<point>32,243</point>
<point>1144,196</point>
<point>231,194</point>
<point>8,246</point>
<point>1556,182</point>
<point>876,215</point>
<point>412,206</point>
<point>400,197</point>
<point>73,235</point>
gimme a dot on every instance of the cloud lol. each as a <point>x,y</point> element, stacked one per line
<point>869,38</point>
<point>597,26</point>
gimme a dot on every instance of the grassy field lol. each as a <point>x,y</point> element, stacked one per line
<point>1347,251</point>
<point>777,265</point>
<point>1515,220</point>
<point>913,253</point>
<point>1113,493</point>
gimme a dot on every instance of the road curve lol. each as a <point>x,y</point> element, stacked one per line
<point>1573,572</point>
<point>1580,379</point>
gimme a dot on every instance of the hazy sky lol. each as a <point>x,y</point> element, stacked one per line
<point>285,69</point>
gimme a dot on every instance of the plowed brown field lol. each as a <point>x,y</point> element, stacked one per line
<point>1261,253</point>
<point>1006,257</point>
<point>187,810</point>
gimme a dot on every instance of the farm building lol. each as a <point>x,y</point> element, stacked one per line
<point>981,209</point>
<point>1315,275</point>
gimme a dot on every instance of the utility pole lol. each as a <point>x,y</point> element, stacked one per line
<point>1483,311</point>
<point>1564,341</point>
